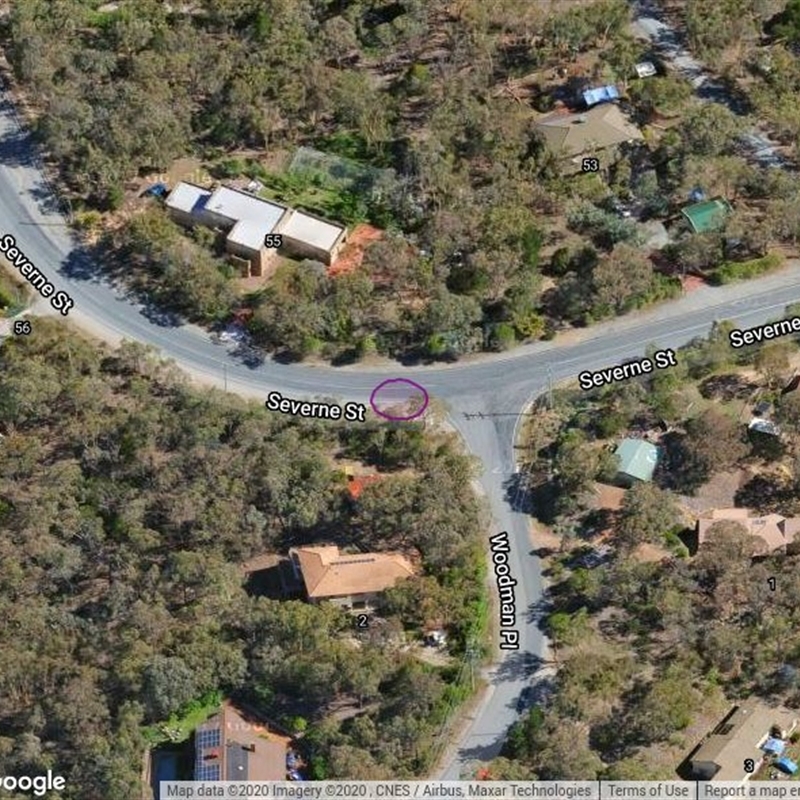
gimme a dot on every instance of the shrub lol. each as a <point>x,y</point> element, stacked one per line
<point>229,168</point>
<point>88,220</point>
<point>504,337</point>
<point>744,270</point>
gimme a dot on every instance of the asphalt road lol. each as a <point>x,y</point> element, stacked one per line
<point>484,396</point>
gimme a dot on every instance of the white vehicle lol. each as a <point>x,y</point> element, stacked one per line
<point>235,335</point>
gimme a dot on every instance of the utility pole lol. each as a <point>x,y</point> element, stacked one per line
<point>471,656</point>
<point>549,386</point>
<point>225,374</point>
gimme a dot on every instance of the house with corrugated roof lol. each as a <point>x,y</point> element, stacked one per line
<point>746,734</point>
<point>249,220</point>
<point>710,215</point>
<point>351,581</point>
<point>637,461</point>
<point>246,218</point>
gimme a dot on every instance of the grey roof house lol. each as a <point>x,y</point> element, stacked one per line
<point>248,219</point>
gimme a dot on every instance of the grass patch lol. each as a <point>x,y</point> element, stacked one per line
<point>304,191</point>
<point>732,271</point>
<point>180,726</point>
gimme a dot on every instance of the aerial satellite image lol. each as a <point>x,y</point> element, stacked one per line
<point>400,399</point>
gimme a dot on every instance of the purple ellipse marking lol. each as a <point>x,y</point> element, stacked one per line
<point>414,389</point>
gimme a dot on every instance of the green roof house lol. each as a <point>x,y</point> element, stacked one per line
<point>707,216</point>
<point>637,461</point>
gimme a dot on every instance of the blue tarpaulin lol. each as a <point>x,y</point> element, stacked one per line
<point>157,190</point>
<point>773,745</point>
<point>697,195</point>
<point>787,765</point>
<point>602,94</point>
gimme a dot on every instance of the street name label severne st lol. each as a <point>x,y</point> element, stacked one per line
<point>739,338</point>
<point>352,412</point>
<point>662,359</point>
<point>60,301</point>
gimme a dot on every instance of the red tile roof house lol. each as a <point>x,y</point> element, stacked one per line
<point>351,581</point>
<point>233,745</point>
<point>771,533</point>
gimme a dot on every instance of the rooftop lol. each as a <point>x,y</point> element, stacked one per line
<point>637,458</point>
<point>739,737</point>
<point>775,530</point>
<point>236,205</point>
<point>188,198</point>
<point>329,573</point>
<point>597,128</point>
<point>707,216</point>
<point>764,426</point>
<point>250,233</point>
<point>233,745</point>
<point>312,230</point>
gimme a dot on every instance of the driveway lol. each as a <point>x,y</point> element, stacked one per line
<point>649,23</point>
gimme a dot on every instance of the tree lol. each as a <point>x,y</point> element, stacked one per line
<point>714,441</point>
<point>788,411</point>
<point>563,752</point>
<point>785,217</point>
<point>168,683</point>
<point>724,566</point>
<point>575,465</point>
<point>753,234</point>
<point>647,514</point>
<point>666,707</point>
<point>772,361</point>
<point>620,278</point>
<point>786,24</point>
<point>606,229</point>
<point>623,55</point>
<point>637,768</point>
<point>712,28</point>
<point>710,129</point>
<point>339,39</point>
<point>449,322</point>
<point>666,95</point>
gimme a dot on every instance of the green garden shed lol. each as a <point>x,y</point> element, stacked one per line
<point>707,216</point>
<point>637,461</point>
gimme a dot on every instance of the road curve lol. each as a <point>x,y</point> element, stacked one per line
<point>495,388</point>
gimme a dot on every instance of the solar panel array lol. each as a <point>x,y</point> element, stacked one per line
<point>205,739</point>
<point>207,772</point>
